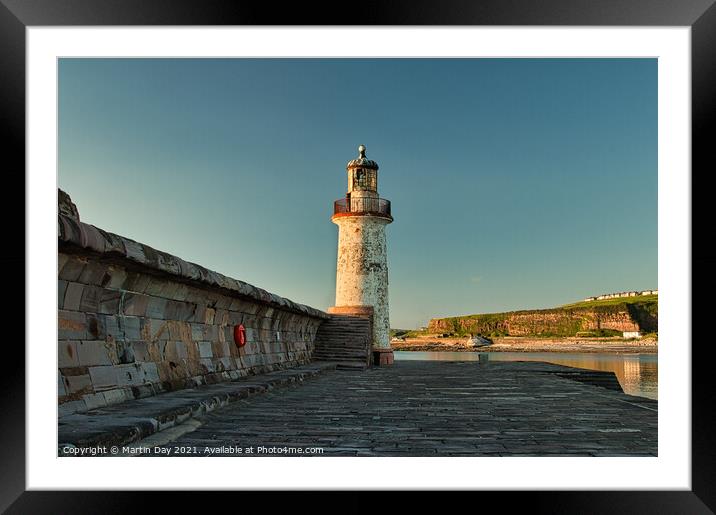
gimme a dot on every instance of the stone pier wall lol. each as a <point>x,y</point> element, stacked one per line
<point>135,322</point>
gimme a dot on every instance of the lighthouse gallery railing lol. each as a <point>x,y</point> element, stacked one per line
<point>367,205</point>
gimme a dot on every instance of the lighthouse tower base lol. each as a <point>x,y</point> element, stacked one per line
<point>362,275</point>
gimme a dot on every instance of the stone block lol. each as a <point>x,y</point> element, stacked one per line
<point>90,299</point>
<point>151,372</point>
<point>135,304</point>
<point>61,390</point>
<point>103,377</point>
<point>199,313</point>
<point>217,349</point>
<point>72,269</point>
<point>76,384</point>
<point>155,286</point>
<point>207,365</point>
<point>113,327</point>
<point>113,242</point>
<point>96,329</point>
<point>129,375</point>
<point>382,357</point>
<point>140,351</point>
<point>125,352</point>
<point>67,354</point>
<point>94,353</point>
<point>71,325</point>
<point>115,277</point>
<point>205,349</point>
<point>194,295</point>
<point>211,332</point>
<point>131,327</point>
<point>116,396</point>
<point>183,311</point>
<point>68,408</point>
<point>158,329</point>
<point>92,238</point>
<point>143,390</point>
<point>221,317</point>
<point>110,301</point>
<point>224,302</point>
<point>177,330</point>
<point>61,289</point>
<point>168,289</point>
<point>94,400</point>
<point>181,293</point>
<point>174,351</point>
<point>250,308</point>
<point>134,250</point>
<point>251,347</point>
<point>156,307</point>
<point>155,350</point>
<point>197,332</point>
<point>193,366</point>
<point>93,273</point>
<point>135,282</point>
<point>181,350</point>
<point>225,333</point>
<point>168,263</point>
<point>234,305</point>
<point>251,360</point>
<point>73,296</point>
<point>218,365</point>
<point>61,260</point>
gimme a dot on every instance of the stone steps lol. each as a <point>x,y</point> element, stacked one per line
<point>360,348</point>
<point>342,348</point>
<point>330,356</point>
<point>345,364</point>
<point>344,340</point>
<point>338,355</point>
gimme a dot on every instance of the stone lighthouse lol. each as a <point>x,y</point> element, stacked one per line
<point>362,267</point>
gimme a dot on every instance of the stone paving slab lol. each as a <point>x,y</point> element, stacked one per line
<point>431,408</point>
<point>126,422</point>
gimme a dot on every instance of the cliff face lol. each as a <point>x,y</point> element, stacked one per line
<point>636,316</point>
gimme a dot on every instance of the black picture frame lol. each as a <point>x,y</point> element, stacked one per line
<point>16,15</point>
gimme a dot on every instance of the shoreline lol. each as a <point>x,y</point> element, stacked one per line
<point>527,344</point>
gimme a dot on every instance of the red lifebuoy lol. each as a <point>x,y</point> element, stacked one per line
<point>239,335</point>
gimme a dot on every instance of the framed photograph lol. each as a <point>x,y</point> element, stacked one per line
<point>539,168</point>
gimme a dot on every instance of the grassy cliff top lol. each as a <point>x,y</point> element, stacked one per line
<point>606,303</point>
<point>613,302</point>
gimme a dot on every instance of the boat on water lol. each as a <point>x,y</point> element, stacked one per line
<point>478,341</point>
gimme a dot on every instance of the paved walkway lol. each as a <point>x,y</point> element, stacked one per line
<point>429,408</point>
<point>124,423</point>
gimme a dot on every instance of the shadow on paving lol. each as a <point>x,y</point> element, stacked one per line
<point>124,423</point>
<point>428,408</point>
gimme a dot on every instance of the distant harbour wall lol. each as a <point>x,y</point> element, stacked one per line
<point>134,322</point>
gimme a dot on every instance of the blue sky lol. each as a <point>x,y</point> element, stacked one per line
<point>515,183</point>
